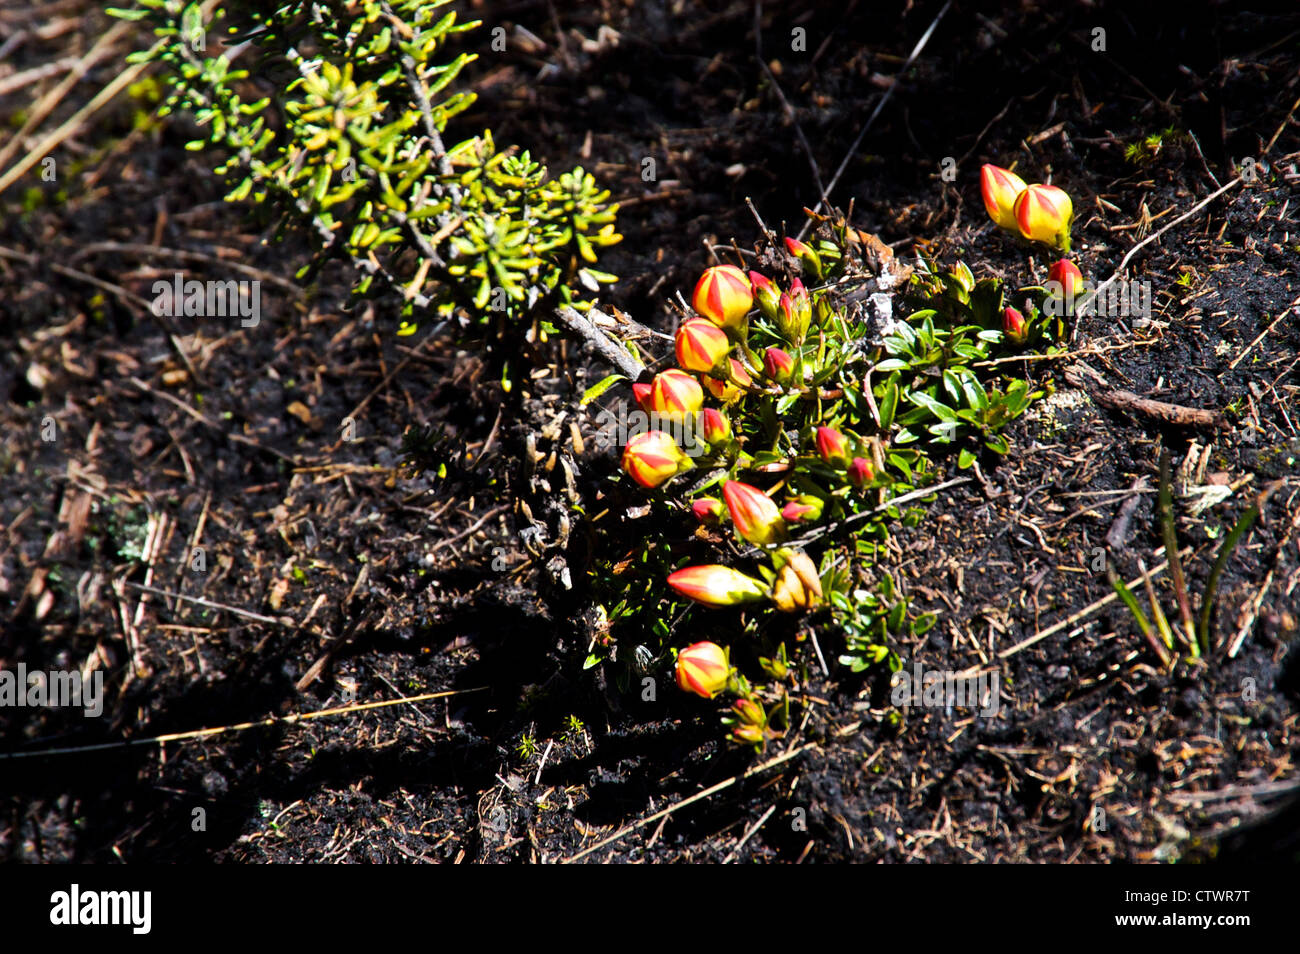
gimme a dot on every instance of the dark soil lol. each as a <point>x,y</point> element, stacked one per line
<point>335,576</point>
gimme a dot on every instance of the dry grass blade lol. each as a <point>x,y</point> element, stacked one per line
<point>712,790</point>
<point>196,734</point>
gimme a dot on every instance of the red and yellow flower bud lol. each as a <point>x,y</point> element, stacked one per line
<point>703,669</point>
<point>1013,325</point>
<point>652,458</point>
<point>797,585</point>
<point>803,509</point>
<point>721,390</point>
<point>832,446</point>
<point>675,396</point>
<point>724,391</point>
<point>747,734</point>
<point>642,394</point>
<point>810,260</point>
<point>756,517</point>
<point>778,365</point>
<point>803,567</point>
<point>723,296</point>
<point>823,311</point>
<point>748,712</point>
<point>1043,214</point>
<point>701,345</point>
<point>1066,276</point>
<point>860,472</point>
<point>715,426</point>
<point>799,294</point>
<point>766,295</point>
<point>716,585</point>
<point>1000,189</point>
<point>707,510</point>
<point>794,313</point>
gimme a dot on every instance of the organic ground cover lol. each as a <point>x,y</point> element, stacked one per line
<point>353,501</point>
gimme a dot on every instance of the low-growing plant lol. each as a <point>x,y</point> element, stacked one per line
<point>336,124</point>
<point>1189,635</point>
<point>873,622</point>
<point>1149,147</point>
<point>802,421</point>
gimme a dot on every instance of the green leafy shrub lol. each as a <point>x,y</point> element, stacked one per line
<point>804,421</point>
<point>348,142</point>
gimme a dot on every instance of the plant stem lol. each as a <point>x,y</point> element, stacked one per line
<point>1144,624</point>
<point>596,339</point>
<point>1162,623</point>
<point>1171,545</point>
<point>1225,551</point>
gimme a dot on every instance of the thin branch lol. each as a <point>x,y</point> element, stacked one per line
<point>223,607</point>
<point>712,790</point>
<point>916,51</point>
<point>495,511</point>
<point>598,341</point>
<point>917,494</point>
<point>785,104</point>
<point>1081,615</point>
<point>240,726</point>
<point>421,99</point>
<point>1128,256</point>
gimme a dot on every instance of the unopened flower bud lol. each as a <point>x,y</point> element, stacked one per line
<point>652,458</point>
<point>747,734</point>
<point>748,712</point>
<point>803,567</point>
<point>778,365</point>
<point>860,472</point>
<point>1066,275</point>
<point>703,669</point>
<point>701,345</point>
<point>756,518</point>
<point>766,295</point>
<point>642,394</point>
<point>794,313</point>
<point>1043,214</point>
<point>832,446</point>
<point>1013,325</point>
<point>723,296</point>
<point>797,587</point>
<point>810,260</point>
<point>1000,188</point>
<point>803,509</point>
<point>675,396</point>
<point>707,510</point>
<point>715,426</point>
<point>725,391</point>
<point>716,585</point>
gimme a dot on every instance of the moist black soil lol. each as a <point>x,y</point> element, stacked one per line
<point>333,575</point>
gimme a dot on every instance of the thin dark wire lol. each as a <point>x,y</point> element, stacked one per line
<point>785,103</point>
<point>916,51</point>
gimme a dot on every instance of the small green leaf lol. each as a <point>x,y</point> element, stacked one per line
<point>600,387</point>
<point>889,404</point>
